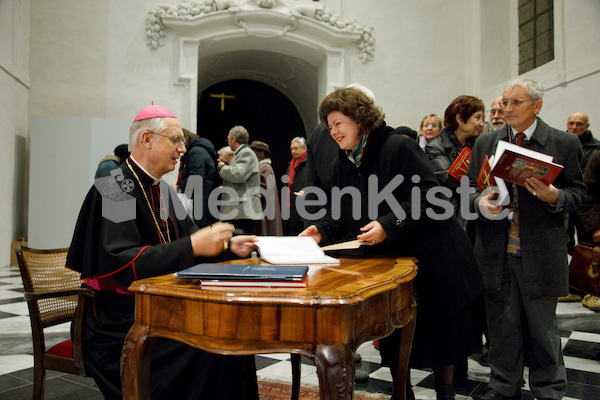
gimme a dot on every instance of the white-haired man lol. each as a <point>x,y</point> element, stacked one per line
<point>296,173</point>
<point>523,254</point>
<point>111,249</point>
<point>241,177</point>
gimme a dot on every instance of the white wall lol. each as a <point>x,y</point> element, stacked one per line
<point>89,59</point>
<point>14,98</point>
<point>65,152</point>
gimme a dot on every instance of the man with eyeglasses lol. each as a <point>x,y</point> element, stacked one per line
<point>240,203</point>
<point>111,250</point>
<point>523,254</point>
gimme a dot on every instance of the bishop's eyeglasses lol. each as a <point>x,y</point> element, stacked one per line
<point>176,140</point>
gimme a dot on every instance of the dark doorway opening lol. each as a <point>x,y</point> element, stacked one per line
<point>267,114</point>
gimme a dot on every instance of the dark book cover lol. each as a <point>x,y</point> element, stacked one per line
<point>254,283</point>
<point>245,272</point>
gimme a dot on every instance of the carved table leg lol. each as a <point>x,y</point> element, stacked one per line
<point>335,366</point>
<point>295,376</point>
<point>135,363</point>
<point>406,338</point>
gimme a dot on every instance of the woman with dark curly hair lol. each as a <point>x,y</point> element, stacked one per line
<point>371,157</point>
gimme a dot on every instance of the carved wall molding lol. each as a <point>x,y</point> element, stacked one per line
<point>261,18</point>
<point>216,73</point>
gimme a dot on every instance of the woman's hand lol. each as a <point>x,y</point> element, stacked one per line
<point>373,232</point>
<point>242,245</point>
<point>212,240</point>
<point>313,232</point>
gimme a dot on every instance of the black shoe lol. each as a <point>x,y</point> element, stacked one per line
<point>360,376</point>
<point>357,358</point>
<point>444,393</point>
<point>491,394</point>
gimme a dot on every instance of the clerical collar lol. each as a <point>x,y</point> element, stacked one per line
<point>528,132</point>
<point>241,147</point>
<point>156,180</point>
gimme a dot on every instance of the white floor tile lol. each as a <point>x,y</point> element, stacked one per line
<point>582,364</point>
<point>19,308</point>
<point>7,294</point>
<point>585,336</point>
<point>15,362</point>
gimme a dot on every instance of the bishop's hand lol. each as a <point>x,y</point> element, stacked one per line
<point>212,240</point>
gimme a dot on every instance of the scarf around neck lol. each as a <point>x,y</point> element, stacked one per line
<point>293,166</point>
<point>356,155</point>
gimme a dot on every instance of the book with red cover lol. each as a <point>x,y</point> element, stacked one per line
<point>485,179</point>
<point>459,167</point>
<point>254,283</point>
<point>515,164</point>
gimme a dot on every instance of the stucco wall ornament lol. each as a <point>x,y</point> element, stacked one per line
<point>246,12</point>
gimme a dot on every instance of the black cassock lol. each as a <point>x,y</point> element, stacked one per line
<point>110,256</point>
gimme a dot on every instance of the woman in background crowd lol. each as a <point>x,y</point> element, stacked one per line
<point>431,127</point>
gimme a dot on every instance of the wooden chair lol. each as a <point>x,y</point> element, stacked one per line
<point>53,294</point>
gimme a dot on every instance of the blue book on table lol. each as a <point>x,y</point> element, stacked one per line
<point>245,272</point>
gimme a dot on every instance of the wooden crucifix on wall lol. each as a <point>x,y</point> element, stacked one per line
<point>223,96</point>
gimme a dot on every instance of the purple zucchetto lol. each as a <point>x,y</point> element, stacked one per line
<point>154,111</point>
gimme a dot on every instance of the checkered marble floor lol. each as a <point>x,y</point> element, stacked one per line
<point>580,331</point>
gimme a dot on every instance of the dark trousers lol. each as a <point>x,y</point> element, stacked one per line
<point>510,314</point>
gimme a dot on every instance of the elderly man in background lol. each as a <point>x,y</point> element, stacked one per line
<point>578,125</point>
<point>496,117</point>
<point>110,253</point>
<point>522,254</point>
<point>240,202</point>
<point>296,173</point>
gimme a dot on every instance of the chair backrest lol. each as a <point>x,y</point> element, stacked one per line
<point>44,272</point>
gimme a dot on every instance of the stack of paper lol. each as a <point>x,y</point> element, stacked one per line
<point>292,250</point>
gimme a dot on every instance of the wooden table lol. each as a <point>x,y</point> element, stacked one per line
<point>342,307</point>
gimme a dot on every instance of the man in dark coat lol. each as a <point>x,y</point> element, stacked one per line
<point>523,258</point>
<point>128,230</point>
<point>296,173</point>
<point>578,125</point>
<point>199,160</point>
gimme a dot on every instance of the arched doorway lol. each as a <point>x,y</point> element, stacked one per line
<point>268,115</point>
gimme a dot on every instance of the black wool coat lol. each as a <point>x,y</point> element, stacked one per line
<point>448,278</point>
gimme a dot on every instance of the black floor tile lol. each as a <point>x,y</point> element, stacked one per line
<point>11,301</point>
<point>375,386</point>
<point>10,382</point>
<point>55,389</point>
<point>584,392</point>
<point>262,362</point>
<point>6,315</point>
<point>581,349</point>
<point>583,377</point>
<point>366,366</point>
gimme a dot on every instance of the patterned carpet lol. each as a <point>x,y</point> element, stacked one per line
<point>268,390</point>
